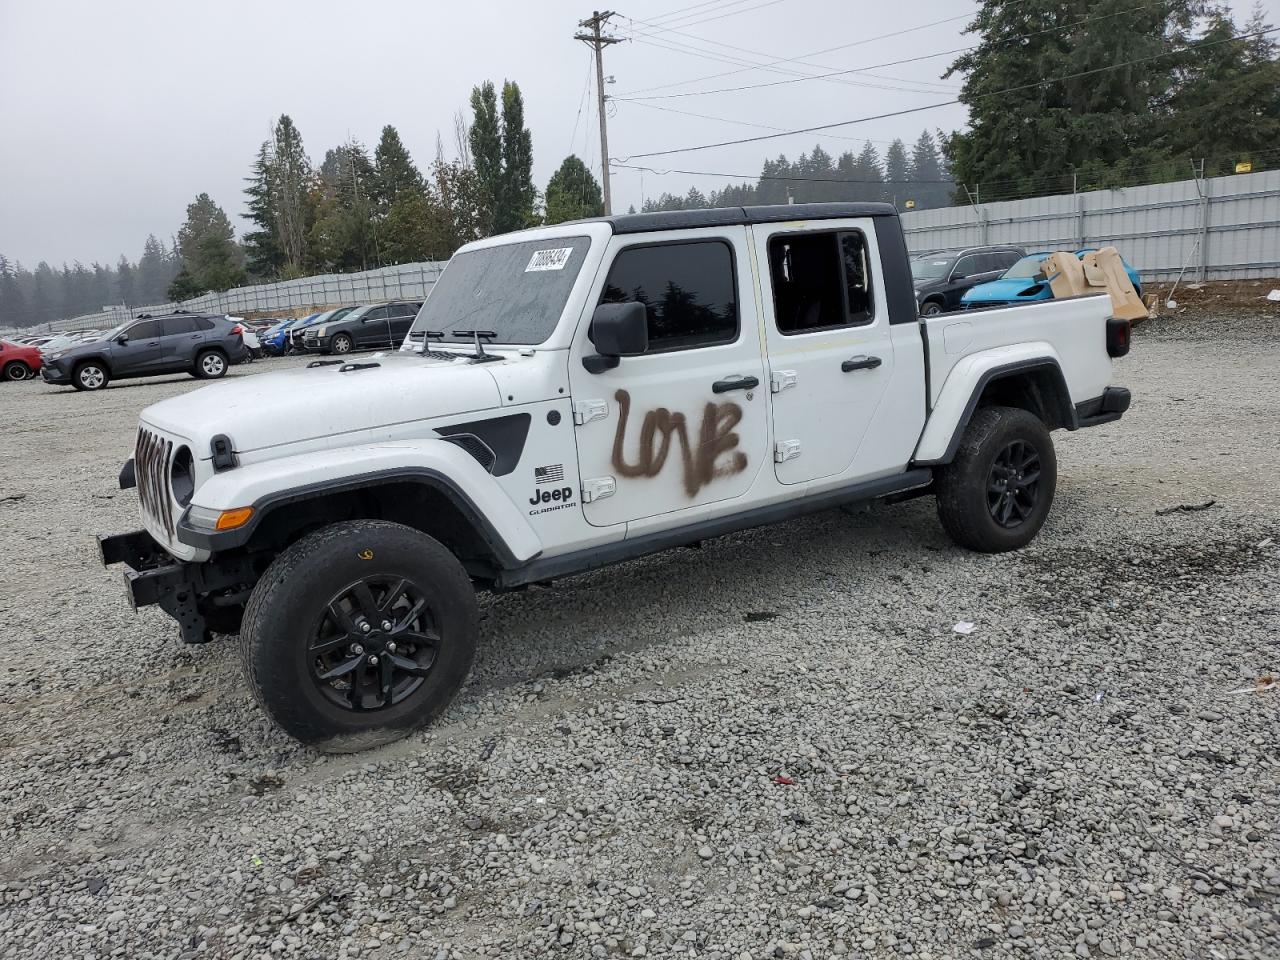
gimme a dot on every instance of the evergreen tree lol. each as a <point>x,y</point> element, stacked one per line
<point>207,248</point>
<point>573,193</point>
<point>486,152</point>
<point>13,302</point>
<point>518,194</point>
<point>867,173</point>
<point>409,228</point>
<point>125,289</point>
<point>291,182</point>
<point>458,207</point>
<point>263,253</point>
<point>897,172</point>
<point>926,172</point>
<point>1227,105</point>
<point>393,171</point>
<point>1023,130</point>
<point>344,235</point>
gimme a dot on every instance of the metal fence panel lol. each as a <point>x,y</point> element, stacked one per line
<point>1221,228</point>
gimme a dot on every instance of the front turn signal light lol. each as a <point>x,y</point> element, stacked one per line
<point>233,519</point>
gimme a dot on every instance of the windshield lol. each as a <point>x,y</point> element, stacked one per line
<point>1028,268</point>
<point>930,268</point>
<point>517,290</point>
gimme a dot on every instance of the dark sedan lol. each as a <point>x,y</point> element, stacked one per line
<point>943,277</point>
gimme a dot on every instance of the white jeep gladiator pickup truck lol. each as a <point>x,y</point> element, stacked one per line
<point>575,396</point>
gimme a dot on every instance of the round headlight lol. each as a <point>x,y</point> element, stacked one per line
<point>182,476</point>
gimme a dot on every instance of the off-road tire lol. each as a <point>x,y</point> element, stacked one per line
<point>210,365</point>
<point>289,600</point>
<point>17,371</point>
<point>962,486</point>
<point>82,377</point>
<point>341,344</point>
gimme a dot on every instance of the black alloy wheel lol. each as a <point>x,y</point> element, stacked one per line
<point>1013,484</point>
<point>374,644</point>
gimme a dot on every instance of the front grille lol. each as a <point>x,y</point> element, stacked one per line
<point>151,465</point>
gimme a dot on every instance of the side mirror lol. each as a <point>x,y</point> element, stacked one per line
<point>122,339</point>
<point>957,276</point>
<point>617,330</point>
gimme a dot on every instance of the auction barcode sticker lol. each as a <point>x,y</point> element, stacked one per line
<point>549,259</point>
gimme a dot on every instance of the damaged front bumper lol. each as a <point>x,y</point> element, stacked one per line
<point>185,591</point>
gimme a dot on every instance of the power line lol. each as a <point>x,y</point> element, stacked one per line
<point>874,66</point>
<point>598,41</point>
<point>798,60</point>
<point>746,123</point>
<point>686,12</point>
<point>586,85</point>
<point>947,103</point>
<point>761,176</point>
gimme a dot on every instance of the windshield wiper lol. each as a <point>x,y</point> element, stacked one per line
<point>478,335</point>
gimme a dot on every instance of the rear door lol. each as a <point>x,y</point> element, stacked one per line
<point>830,352</point>
<point>180,337</point>
<point>685,424</point>
<point>400,319</point>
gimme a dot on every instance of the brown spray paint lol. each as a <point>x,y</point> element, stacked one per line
<point>715,438</point>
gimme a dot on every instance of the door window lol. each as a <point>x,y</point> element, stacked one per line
<point>173,326</point>
<point>145,330</point>
<point>821,281</point>
<point>689,291</point>
<point>377,313</point>
<point>966,267</point>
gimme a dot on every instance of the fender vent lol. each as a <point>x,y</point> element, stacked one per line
<point>478,449</point>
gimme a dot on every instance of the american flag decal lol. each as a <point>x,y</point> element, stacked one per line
<point>551,474</point>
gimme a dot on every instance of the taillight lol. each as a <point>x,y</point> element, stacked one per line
<point>1117,337</point>
<point>238,329</point>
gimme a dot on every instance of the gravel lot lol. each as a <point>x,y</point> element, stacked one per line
<point>775,746</point>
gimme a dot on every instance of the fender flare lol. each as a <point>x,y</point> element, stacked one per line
<point>941,438</point>
<point>274,484</point>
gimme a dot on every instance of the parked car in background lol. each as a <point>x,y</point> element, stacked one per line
<point>203,345</point>
<point>941,278</point>
<point>275,340</point>
<point>250,337</point>
<point>1025,282</point>
<point>18,361</point>
<point>298,330</point>
<point>365,328</point>
<point>60,342</point>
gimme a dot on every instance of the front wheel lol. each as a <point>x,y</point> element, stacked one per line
<point>17,371</point>
<point>930,308</point>
<point>342,344</point>
<point>90,375</point>
<point>995,495</point>
<point>358,634</point>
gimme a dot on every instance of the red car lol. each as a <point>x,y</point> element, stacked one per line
<point>18,362</point>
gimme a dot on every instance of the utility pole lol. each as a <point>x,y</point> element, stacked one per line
<point>598,41</point>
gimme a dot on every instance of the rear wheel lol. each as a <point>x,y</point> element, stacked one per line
<point>210,365</point>
<point>996,493</point>
<point>930,308</point>
<point>358,634</point>
<point>90,375</point>
<point>342,344</point>
<point>17,370</point>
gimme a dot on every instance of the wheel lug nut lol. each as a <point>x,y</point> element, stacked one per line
<point>391,647</point>
<point>365,628</point>
<point>386,624</point>
<point>373,660</point>
<point>357,649</point>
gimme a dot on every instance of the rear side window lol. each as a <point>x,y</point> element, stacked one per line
<point>688,289</point>
<point>821,281</point>
<point>176,325</point>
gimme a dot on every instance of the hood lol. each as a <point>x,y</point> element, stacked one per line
<point>1008,289</point>
<point>272,409</point>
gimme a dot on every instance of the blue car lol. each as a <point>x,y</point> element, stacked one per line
<point>275,339</point>
<point>1025,282</point>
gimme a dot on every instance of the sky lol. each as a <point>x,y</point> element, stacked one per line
<point>116,115</point>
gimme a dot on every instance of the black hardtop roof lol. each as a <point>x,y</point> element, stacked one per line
<point>730,216</point>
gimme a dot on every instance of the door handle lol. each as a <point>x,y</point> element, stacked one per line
<point>735,383</point>
<point>860,363</point>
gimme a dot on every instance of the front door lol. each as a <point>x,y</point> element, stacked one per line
<point>371,331</point>
<point>684,425</point>
<point>141,353</point>
<point>828,339</point>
